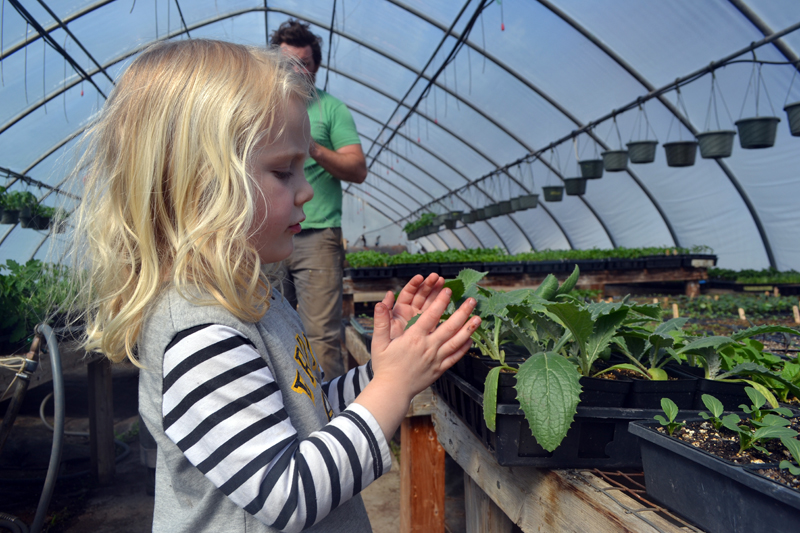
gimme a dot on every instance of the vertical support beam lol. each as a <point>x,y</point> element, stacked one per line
<point>483,515</point>
<point>101,421</point>
<point>421,477</point>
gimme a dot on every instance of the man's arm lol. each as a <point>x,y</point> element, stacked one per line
<point>345,164</point>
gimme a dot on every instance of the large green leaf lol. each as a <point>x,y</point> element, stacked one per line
<point>605,328</point>
<point>490,398</point>
<point>760,330</point>
<point>465,284</point>
<point>577,320</point>
<point>547,290</point>
<point>673,324</point>
<point>498,303</point>
<point>570,282</point>
<point>548,392</point>
<point>706,342</point>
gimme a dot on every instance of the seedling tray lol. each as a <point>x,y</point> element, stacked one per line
<point>409,271</point>
<point>545,267</point>
<point>451,270</point>
<point>369,273</point>
<point>716,495</point>
<point>598,438</point>
<point>515,267</point>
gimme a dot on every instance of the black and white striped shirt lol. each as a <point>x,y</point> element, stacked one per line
<point>223,408</point>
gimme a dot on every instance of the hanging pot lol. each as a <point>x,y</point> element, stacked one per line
<point>528,201</point>
<point>793,114</point>
<point>10,216</point>
<point>492,210</point>
<point>438,220</point>
<point>480,214</point>
<point>575,186</point>
<point>554,193</point>
<point>505,207</point>
<point>450,223</point>
<point>680,153</point>
<point>642,151</point>
<point>468,218</point>
<point>515,204</point>
<point>757,132</point>
<point>716,144</point>
<point>591,169</point>
<point>453,215</point>
<point>615,160</point>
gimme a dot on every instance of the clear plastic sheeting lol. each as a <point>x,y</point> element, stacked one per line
<point>457,119</point>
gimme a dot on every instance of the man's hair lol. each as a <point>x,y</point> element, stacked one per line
<point>296,33</point>
<point>167,193</point>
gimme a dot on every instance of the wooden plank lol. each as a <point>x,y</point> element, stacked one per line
<point>421,404</point>
<point>355,345</point>
<point>101,421</point>
<point>421,477</point>
<point>539,499</point>
<point>482,514</point>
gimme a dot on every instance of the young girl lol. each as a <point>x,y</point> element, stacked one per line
<point>193,181</point>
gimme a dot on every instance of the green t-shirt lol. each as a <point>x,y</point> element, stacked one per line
<point>333,127</point>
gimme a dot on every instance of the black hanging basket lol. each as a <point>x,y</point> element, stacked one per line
<point>793,115</point>
<point>480,214</point>
<point>757,132</point>
<point>553,193</point>
<point>468,218</point>
<point>575,186</point>
<point>591,169</point>
<point>526,201</point>
<point>716,144</point>
<point>492,210</point>
<point>505,207</point>
<point>641,152</point>
<point>681,153</point>
<point>615,160</point>
<point>10,216</point>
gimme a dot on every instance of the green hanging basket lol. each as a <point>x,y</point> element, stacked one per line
<point>553,193</point>
<point>793,115</point>
<point>680,153</point>
<point>757,132</point>
<point>716,144</point>
<point>591,169</point>
<point>641,152</point>
<point>615,160</point>
<point>575,186</point>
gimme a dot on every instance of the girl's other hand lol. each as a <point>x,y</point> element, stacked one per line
<point>416,297</point>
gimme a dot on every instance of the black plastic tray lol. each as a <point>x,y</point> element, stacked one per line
<point>516,267</point>
<point>717,496</point>
<point>369,273</point>
<point>451,270</point>
<point>598,438</point>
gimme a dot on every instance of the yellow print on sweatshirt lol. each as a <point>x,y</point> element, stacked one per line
<point>304,356</point>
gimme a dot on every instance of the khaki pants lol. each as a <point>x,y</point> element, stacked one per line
<point>312,282</point>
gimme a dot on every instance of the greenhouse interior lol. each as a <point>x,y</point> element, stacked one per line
<point>635,363</point>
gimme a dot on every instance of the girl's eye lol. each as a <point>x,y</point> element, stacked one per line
<point>282,174</point>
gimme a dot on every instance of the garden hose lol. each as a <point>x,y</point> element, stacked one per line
<point>12,523</point>
<point>58,424</point>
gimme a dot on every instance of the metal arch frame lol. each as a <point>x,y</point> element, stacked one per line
<point>367,46</point>
<point>762,26</point>
<point>401,175</point>
<point>458,138</point>
<point>685,121</point>
<point>477,187</point>
<point>428,174</point>
<point>547,98</point>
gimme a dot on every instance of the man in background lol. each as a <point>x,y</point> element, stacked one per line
<point>314,271</point>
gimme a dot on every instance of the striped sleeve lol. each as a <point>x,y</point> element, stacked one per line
<point>223,409</point>
<point>343,390</point>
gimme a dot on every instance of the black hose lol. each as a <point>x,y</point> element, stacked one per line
<point>58,427</point>
<point>23,380</point>
<point>12,523</point>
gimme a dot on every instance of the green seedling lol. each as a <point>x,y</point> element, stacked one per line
<point>671,410</point>
<point>756,410</point>
<point>793,445</point>
<point>716,408</point>
<point>756,434</point>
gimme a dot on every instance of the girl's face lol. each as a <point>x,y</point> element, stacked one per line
<point>276,168</point>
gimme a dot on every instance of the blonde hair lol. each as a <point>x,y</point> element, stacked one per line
<point>166,194</point>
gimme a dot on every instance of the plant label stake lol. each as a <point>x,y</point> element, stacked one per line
<point>741,314</point>
<point>796,313</point>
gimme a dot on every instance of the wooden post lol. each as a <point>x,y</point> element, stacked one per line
<point>692,288</point>
<point>101,421</point>
<point>483,515</point>
<point>421,477</point>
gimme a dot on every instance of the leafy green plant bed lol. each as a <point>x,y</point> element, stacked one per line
<point>29,293</point>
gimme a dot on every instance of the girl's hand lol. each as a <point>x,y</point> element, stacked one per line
<point>409,363</point>
<point>416,297</point>
<point>413,360</point>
